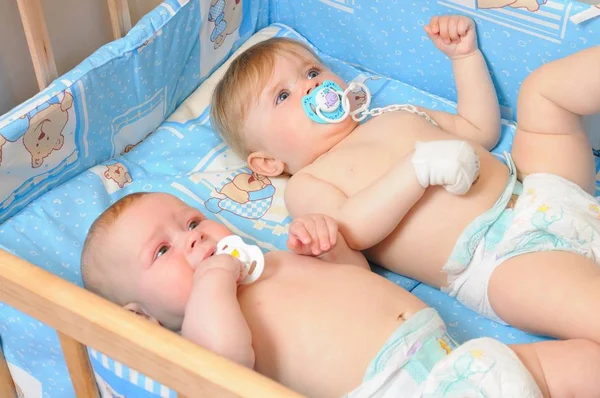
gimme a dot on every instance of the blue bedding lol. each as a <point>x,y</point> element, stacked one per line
<point>136,119</point>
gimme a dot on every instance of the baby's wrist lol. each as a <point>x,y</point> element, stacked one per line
<point>464,56</point>
<point>215,276</point>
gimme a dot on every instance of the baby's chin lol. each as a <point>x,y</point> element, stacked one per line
<point>338,131</point>
<point>330,136</point>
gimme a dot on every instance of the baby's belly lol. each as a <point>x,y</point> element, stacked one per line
<point>424,240</point>
<point>317,326</point>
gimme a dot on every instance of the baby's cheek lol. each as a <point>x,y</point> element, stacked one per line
<point>178,286</point>
<point>282,142</point>
<point>179,296</point>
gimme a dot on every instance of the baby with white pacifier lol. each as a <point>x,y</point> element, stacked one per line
<point>324,326</point>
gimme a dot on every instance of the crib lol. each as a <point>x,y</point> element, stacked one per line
<point>133,116</point>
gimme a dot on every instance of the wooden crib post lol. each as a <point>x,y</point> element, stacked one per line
<point>149,348</point>
<point>7,386</point>
<point>120,18</point>
<point>80,369</point>
<point>38,40</point>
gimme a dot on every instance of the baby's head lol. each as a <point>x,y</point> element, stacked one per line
<point>257,107</point>
<point>142,251</point>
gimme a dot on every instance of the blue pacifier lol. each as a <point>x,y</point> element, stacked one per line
<point>324,103</point>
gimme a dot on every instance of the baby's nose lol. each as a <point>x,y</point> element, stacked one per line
<point>194,239</point>
<point>312,87</point>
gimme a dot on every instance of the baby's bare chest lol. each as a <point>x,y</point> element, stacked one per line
<point>372,149</point>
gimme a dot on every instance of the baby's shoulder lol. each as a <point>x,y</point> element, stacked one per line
<point>308,177</point>
<point>309,187</point>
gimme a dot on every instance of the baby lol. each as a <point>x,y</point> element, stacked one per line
<point>521,245</point>
<point>324,327</point>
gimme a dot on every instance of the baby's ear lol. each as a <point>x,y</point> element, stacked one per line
<point>263,164</point>
<point>137,309</point>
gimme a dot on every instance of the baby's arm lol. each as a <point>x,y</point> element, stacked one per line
<point>568,368</point>
<point>317,235</point>
<point>213,317</point>
<point>365,218</point>
<point>368,216</point>
<point>478,117</point>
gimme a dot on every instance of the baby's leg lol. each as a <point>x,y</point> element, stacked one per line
<point>563,368</point>
<point>551,293</point>
<point>550,137</point>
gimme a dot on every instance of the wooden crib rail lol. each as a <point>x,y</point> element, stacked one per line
<point>83,318</point>
<point>120,18</point>
<point>38,39</point>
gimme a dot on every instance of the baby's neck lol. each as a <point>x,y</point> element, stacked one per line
<point>328,146</point>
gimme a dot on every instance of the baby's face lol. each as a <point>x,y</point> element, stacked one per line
<point>277,123</point>
<point>161,241</point>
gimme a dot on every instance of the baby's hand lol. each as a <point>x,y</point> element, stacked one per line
<point>452,164</point>
<point>312,235</point>
<point>454,35</point>
<point>228,265</point>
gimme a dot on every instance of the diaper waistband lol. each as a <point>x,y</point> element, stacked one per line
<point>409,338</point>
<point>507,159</point>
<point>467,243</point>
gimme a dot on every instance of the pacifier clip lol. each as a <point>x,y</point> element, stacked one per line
<point>328,103</point>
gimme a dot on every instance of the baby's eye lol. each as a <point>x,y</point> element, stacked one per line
<point>162,250</point>
<point>193,224</point>
<point>314,72</point>
<point>282,96</point>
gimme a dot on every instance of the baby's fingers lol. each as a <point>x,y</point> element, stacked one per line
<point>293,243</point>
<point>434,37</point>
<point>444,34</point>
<point>296,241</point>
<point>333,230</point>
<point>298,230</point>
<point>428,31</point>
<point>434,25</point>
<point>315,246</point>
<point>453,28</point>
<point>323,234</point>
<point>463,26</point>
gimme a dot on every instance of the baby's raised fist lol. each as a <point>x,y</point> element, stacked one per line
<point>454,35</point>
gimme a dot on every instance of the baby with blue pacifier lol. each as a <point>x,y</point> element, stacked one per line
<point>314,318</point>
<point>514,237</point>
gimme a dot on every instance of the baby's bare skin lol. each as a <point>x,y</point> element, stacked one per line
<point>361,174</point>
<point>332,319</point>
<point>422,242</point>
<point>313,324</point>
<point>390,207</point>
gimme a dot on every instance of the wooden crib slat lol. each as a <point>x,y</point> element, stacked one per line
<point>152,350</point>
<point>120,17</point>
<point>80,369</point>
<point>38,40</point>
<point>7,386</point>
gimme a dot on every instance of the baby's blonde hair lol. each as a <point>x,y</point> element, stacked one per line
<point>96,276</point>
<point>243,82</point>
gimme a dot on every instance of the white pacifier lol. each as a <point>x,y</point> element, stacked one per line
<point>251,257</point>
